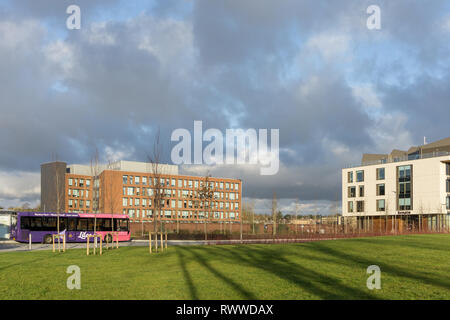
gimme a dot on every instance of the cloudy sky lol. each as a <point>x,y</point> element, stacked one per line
<point>311,69</point>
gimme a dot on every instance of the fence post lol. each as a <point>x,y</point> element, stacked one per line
<point>64,243</point>
<point>162,244</point>
<point>101,245</point>
<point>29,241</point>
<point>166,239</point>
<point>87,245</point>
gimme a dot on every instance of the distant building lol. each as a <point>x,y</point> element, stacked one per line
<point>127,187</point>
<point>405,190</point>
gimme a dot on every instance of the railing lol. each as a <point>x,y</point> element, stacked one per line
<point>400,159</point>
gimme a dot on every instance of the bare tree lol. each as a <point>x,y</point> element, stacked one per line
<point>57,192</point>
<point>157,187</point>
<point>205,194</point>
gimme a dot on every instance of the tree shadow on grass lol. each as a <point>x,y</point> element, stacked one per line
<point>187,275</point>
<point>275,263</point>
<point>234,285</point>
<point>353,260</point>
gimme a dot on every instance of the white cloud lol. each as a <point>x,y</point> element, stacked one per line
<point>98,34</point>
<point>24,33</point>
<point>18,187</point>
<point>171,41</point>
<point>329,45</point>
<point>61,54</point>
<point>366,95</point>
<point>116,154</point>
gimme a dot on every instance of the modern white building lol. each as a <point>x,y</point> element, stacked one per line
<point>403,190</point>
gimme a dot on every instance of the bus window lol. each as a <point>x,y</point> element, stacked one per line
<point>90,225</point>
<point>82,224</point>
<point>72,224</point>
<point>49,224</point>
<point>122,225</point>
<point>106,225</point>
<point>35,223</point>
<point>25,223</point>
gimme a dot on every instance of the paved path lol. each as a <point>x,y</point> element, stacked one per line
<point>9,245</point>
<point>6,246</point>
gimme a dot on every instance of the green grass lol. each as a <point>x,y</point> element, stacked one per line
<point>412,267</point>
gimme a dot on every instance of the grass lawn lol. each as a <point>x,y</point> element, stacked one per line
<point>412,267</point>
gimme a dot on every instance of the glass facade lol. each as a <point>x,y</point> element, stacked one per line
<point>404,187</point>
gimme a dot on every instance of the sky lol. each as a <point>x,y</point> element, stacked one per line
<point>311,69</point>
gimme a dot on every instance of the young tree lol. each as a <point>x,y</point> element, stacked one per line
<point>154,159</point>
<point>205,194</point>
<point>58,184</point>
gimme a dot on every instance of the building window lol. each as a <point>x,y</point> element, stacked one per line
<point>404,188</point>
<point>130,191</point>
<point>380,190</point>
<point>124,202</point>
<point>447,185</point>
<point>70,181</point>
<point>361,191</point>
<point>447,168</point>
<point>125,179</point>
<point>136,180</point>
<point>381,205</point>
<point>380,174</point>
<point>359,206</point>
<point>350,177</point>
<point>350,206</point>
<point>360,176</point>
<point>88,203</point>
<point>88,183</point>
<point>448,202</point>
<point>144,180</point>
<point>351,192</point>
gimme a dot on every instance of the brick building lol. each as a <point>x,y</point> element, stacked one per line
<point>127,187</point>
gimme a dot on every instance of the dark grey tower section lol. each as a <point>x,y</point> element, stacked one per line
<point>53,185</point>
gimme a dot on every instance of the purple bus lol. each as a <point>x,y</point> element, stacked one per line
<point>76,226</point>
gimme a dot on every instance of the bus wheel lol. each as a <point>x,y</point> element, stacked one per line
<point>48,239</point>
